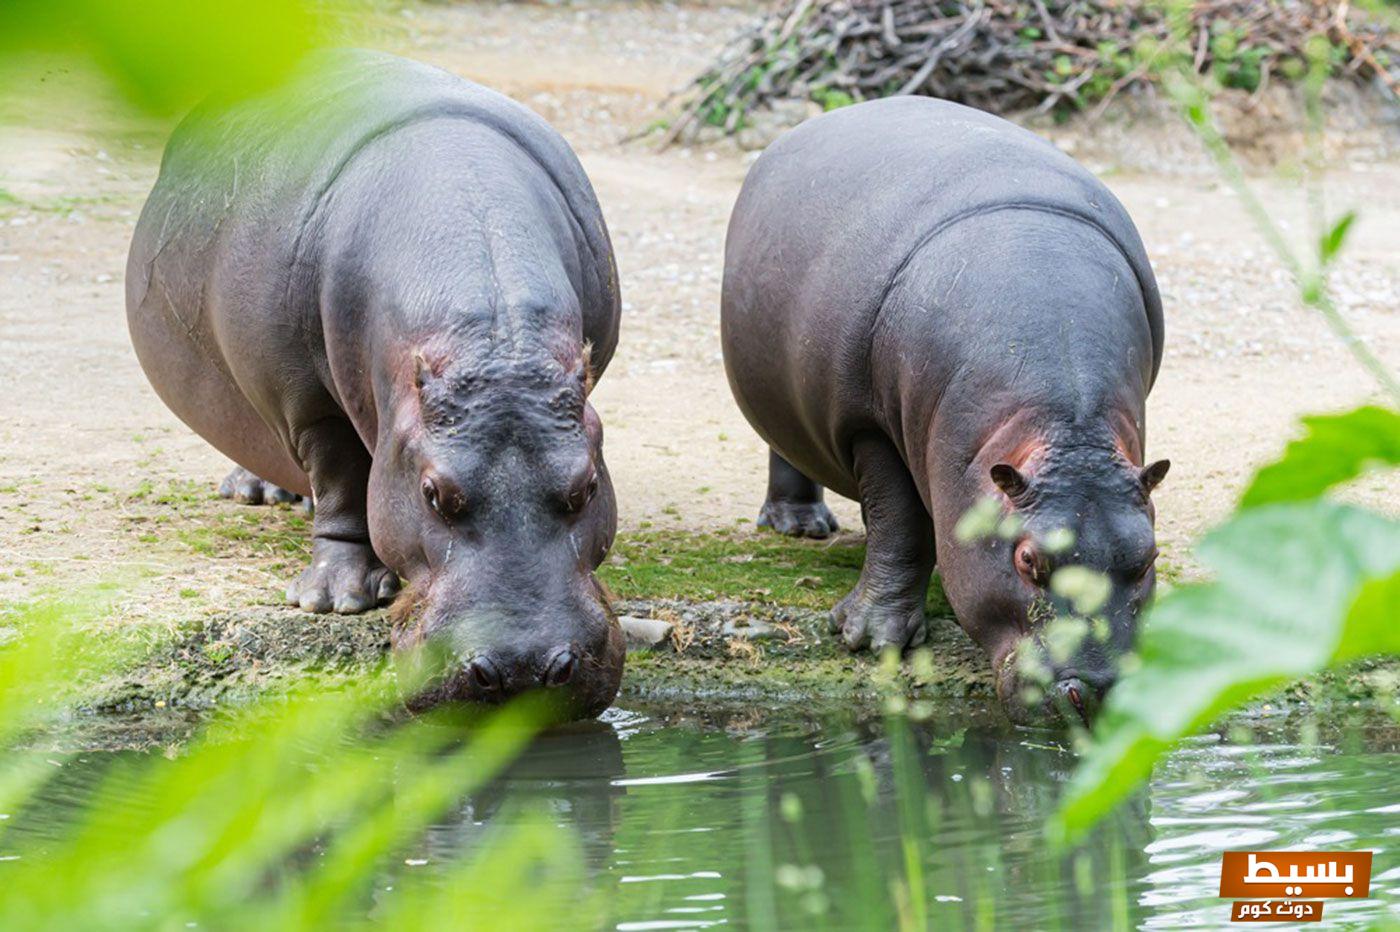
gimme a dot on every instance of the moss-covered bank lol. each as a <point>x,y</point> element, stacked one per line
<point>736,616</point>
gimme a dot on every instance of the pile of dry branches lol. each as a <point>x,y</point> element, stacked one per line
<point>1012,55</point>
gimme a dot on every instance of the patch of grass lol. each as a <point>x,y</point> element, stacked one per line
<point>185,493</point>
<point>218,651</point>
<point>189,512</point>
<point>64,204</point>
<point>264,532</point>
<point>756,567</point>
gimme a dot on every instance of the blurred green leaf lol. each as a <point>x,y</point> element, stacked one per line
<point>48,658</point>
<point>1299,587</point>
<point>1373,623</point>
<point>166,54</point>
<point>1335,449</point>
<point>1332,241</point>
<point>218,835</point>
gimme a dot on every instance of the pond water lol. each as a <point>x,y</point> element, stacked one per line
<point>759,819</point>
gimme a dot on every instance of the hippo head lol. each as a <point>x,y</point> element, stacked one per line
<point>490,497</point>
<point>1054,596</point>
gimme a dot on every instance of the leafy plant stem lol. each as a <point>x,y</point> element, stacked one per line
<point>1195,106</point>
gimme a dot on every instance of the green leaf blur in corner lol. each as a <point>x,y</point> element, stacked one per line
<point>216,836</point>
<point>166,54</point>
<point>1302,584</point>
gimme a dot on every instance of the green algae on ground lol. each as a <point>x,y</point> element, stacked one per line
<point>236,656</point>
<point>748,609</point>
<point>713,585</point>
<point>755,566</point>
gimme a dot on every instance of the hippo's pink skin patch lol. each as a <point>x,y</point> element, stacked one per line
<point>1018,442</point>
<point>1127,437</point>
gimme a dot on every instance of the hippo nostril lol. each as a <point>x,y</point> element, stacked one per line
<point>1077,696</point>
<point>561,667</point>
<point>484,675</point>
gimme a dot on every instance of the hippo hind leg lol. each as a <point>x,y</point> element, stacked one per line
<point>246,488</point>
<point>886,607</point>
<point>794,505</point>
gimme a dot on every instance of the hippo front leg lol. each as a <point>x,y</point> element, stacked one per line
<point>345,576</point>
<point>886,608</point>
<point>794,505</point>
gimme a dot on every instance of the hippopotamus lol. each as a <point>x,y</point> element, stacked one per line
<point>391,290</point>
<point>924,306</point>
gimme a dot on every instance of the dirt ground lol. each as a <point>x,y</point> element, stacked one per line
<point>89,456</point>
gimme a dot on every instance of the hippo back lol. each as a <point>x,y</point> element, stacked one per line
<point>891,174</point>
<point>832,214</point>
<point>266,162</point>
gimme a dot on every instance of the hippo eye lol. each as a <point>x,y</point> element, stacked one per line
<point>431,495</point>
<point>446,501</point>
<point>581,495</point>
<point>1031,566</point>
<point>1147,567</point>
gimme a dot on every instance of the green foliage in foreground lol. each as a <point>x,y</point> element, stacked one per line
<point>1337,448</point>
<point>278,816</point>
<point>166,54</point>
<point>1302,585</point>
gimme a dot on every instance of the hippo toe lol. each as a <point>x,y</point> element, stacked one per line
<point>795,504</point>
<point>798,519</point>
<point>344,577</point>
<point>863,619</point>
<point>247,489</point>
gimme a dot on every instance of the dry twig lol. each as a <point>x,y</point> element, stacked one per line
<point>1009,55</point>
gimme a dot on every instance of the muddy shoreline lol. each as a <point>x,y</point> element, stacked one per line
<point>721,654</point>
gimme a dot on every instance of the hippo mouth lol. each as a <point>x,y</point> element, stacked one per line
<point>574,681</point>
<point>1035,700</point>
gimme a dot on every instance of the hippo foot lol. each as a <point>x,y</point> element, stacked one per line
<point>863,620</point>
<point>344,577</point>
<point>798,519</point>
<point>247,489</point>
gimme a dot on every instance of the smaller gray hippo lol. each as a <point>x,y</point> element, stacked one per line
<point>391,289</point>
<point>925,305</point>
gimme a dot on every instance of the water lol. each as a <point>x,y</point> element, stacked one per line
<point>819,819</point>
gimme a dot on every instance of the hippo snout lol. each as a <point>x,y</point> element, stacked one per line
<point>489,658</point>
<point>1035,694</point>
<point>498,676</point>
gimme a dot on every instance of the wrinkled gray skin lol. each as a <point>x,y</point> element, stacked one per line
<point>390,289</point>
<point>925,305</point>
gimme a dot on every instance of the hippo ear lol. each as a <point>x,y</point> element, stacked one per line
<point>1009,479</point>
<point>586,376</point>
<point>421,370</point>
<point>1153,473</point>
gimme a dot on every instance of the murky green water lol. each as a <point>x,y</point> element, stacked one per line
<point>816,820</point>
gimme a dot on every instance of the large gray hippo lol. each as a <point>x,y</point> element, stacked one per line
<point>925,305</point>
<point>391,289</point>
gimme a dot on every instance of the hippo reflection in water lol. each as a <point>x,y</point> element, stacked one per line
<point>391,289</point>
<point>923,306</point>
